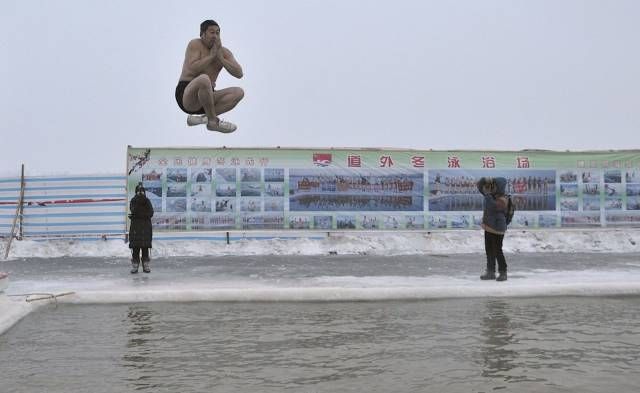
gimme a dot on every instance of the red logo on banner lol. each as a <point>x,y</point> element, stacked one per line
<point>322,159</point>
<point>354,161</point>
<point>417,161</point>
<point>523,162</point>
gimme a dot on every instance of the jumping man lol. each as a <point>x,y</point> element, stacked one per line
<point>196,95</point>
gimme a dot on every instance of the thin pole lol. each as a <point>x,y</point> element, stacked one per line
<point>15,218</point>
<point>22,186</point>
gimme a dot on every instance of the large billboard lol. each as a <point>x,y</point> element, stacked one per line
<point>208,189</point>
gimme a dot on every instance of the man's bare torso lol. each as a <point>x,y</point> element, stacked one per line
<point>212,70</point>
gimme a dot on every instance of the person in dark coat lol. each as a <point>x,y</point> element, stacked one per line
<point>494,223</point>
<point>140,230</point>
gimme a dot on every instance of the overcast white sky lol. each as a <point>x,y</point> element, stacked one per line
<point>81,80</point>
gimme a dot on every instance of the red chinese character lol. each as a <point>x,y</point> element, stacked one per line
<point>386,161</point>
<point>593,164</point>
<point>235,161</point>
<point>163,162</point>
<point>177,161</point>
<point>453,162</point>
<point>264,161</point>
<point>417,161</point>
<point>354,161</point>
<point>249,161</point>
<point>523,162</point>
<point>617,164</point>
<point>220,161</point>
<point>192,161</point>
<point>206,161</point>
<point>605,164</point>
<point>488,162</point>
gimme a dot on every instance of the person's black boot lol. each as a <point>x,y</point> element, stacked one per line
<point>134,266</point>
<point>145,266</point>
<point>490,272</point>
<point>488,275</point>
<point>502,276</point>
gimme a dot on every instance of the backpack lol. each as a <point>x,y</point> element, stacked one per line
<point>511,210</point>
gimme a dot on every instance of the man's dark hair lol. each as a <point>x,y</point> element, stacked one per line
<point>206,24</point>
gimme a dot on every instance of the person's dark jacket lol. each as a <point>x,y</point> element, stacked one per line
<point>494,219</point>
<point>140,231</point>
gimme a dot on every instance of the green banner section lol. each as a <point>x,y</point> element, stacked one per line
<point>208,189</point>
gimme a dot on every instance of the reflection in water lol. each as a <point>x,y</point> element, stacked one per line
<point>498,359</point>
<point>139,345</point>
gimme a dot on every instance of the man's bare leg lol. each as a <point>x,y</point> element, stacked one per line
<point>212,102</point>
<point>225,100</point>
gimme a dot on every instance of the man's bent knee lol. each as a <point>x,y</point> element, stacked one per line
<point>238,94</point>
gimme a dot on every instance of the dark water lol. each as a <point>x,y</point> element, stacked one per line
<point>566,344</point>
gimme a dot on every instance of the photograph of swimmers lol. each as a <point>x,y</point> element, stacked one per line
<point>200,189</point>
<point>590,202</point>
<point>613,203</point>
<point>202,175</point>
<point>369,222</point>
<point>633,189</point>
<point>580,219</point>
<point>223,221</point>
<point>568,177</point>
<point>355,190</point>
<point>225,205</point>
<point>547,220</point>
<point>251,204</point>
<point>154,175</point>
<point>200,204</point>
<point>201,222</point>
<point>457,190</point>
<point>299,222</point>
<point>415,222</point>
<point>322,222</point>
<point>622,218</point>
<point>249,174</point>
<point>459,221</point>
<point>569,190</point>
<point>392,222</point>
<point>177,175</point>
<point>254,221</point>
<point>176,204</point>
<point>633,203</point>
<point>437,222</point>
<point>250,189</point>
<point>590,177</point>
<point>632,177</point>
<point>613,190</point>
<point>177,190</point>
<point>274,189</point>
<point>153,189</point>
<point>613,176</point>
<point>591,189</point>
<point>522,221</point>
<point>273,204</point>
<point>225,189</point>
<point>274,175</point>
<point>164,221</point>
<point>346,222</point>
<point>569,204</point>
<point>225,175</point>
<point>156,203</point>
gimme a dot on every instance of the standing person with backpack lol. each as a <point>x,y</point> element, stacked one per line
<point>494,222</point>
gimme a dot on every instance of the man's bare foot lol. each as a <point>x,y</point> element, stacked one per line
<point>196,120</point>
<point>220,125</point>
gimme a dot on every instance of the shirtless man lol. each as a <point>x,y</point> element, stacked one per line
<point>204,59</point>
